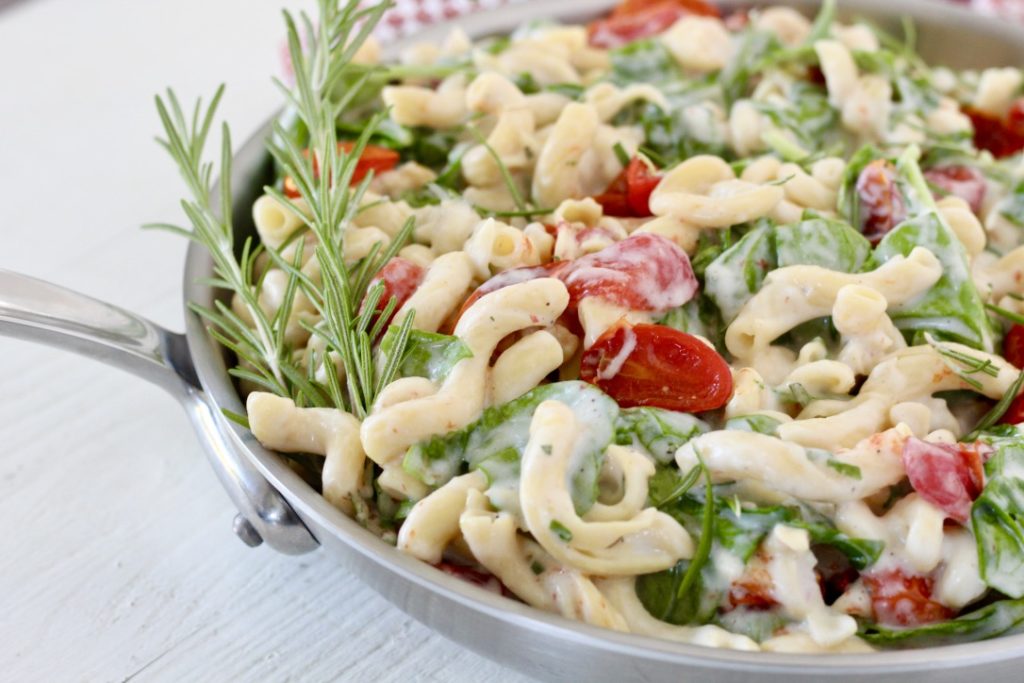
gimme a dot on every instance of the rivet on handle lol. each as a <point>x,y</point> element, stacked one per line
<point>246,531</point>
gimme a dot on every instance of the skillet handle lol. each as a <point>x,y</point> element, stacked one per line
<point>38,311</point>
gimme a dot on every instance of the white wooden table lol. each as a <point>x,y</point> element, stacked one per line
<point>117,559</point>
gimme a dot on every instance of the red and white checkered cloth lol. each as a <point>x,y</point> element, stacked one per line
<point>1010,9</point>
<point>410,15</point>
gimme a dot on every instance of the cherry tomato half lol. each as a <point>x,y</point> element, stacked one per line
<point>965,182</point>
<point>374,158</point>
<point>898,599</point>
<point>643,272</point>
<point>636,19</point>
<point>1001,137</point>
<point>947,476</point>
<point>654,365</point>
<point>512,277</point>
<point>629,194</point>
<point>881,203</point>
<point>401,278</point>
<point>1013,351</point>
<point>1013,346</point>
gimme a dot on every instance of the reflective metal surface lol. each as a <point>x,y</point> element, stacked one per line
<point>542,644</point>
<point>38,311</point>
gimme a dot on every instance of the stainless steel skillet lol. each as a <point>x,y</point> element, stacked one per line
<point>279,508</point>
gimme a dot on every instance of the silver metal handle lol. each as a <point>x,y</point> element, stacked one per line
<point>39,311</point>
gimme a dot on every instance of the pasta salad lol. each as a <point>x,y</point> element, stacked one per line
<point>693,324</point>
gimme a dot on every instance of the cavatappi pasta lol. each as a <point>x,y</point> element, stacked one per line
<point>717,327</point>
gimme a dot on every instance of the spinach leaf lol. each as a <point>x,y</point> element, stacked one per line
<point>822,242</point>
<point>762,424</point>
<point>737,531</point>
<point>952,308</point>
<point>427,354</point>
<point>1012,207</point>
<point>849,200</point>
<point>660,432</point>
<point>806,115</point>
<point>698,316</point>
<point>732,279</point>
<point>997,516</point>
<point>861,552</point>
<point>643,61</point>
<point>668,484</point>
<point>987,622</point>
<point>754,47</point>
<point>495,443</point>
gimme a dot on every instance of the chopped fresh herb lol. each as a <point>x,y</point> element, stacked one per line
<point>621,154</point>
<point>560,530</point>
<point>993,416</point>
<point>844,468</point>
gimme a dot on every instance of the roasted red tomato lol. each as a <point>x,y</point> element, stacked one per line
<point>630,193</point>
<point>643,272</point>
<point>753,588</point>
<point>1002,137</point>
<point>401,278</point>
<point>654,365</point>
<point>512,277</point>
<point>965,182</point>
<point>1015,413</point>
<point>901,600</point>
<point>949,477</point>
<point>881,203</point>
<point>1013,346</point>
<point>1013,351</point>
<point>374,158</point>
<point>636,19</point>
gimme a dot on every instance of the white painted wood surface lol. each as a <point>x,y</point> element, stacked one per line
<point>117,560</point>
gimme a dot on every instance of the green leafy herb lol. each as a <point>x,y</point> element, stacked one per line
<point>1012,207</point>
<point>844,468</point>
<point>761,424</point>
<point>506,175</point>
<point>986,622</point>
<point>970,365</point>
<point>748,262</point>
<point>997,518</point>
<point>427,354</point>
<point>952,307</point>
<point>660,432</point>
<point>989,419</point>
<point>621,154</point>
<point>824,242</point>
<point>560,530</point>
<point>669,484</point>
<point>1015,318</point>
<point>495,443</point>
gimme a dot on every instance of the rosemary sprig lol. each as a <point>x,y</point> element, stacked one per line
<point>971,365</point>
<point>998,410</point>
<point>1015,318</point>
<point>326,84</point>
<point>256,342</point>
<point>324,176</point>
<point>506,175</point>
